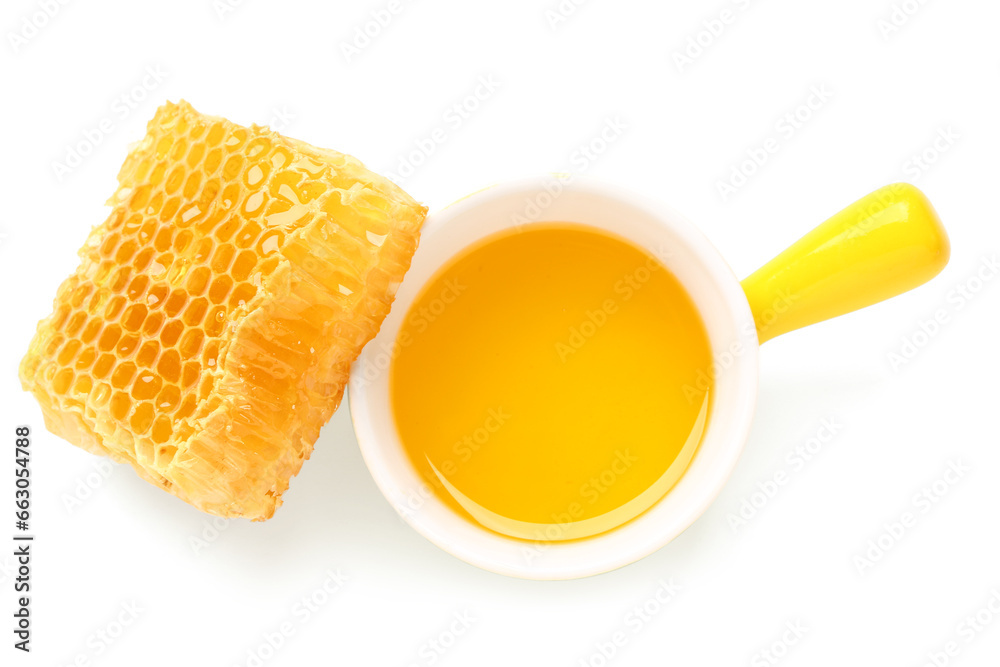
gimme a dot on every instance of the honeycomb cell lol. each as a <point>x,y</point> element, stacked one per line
<point>220,287</point>
<point>179,149</point>
<point>122,375</point>
<point>86,359</point>
<point>155,204</point>
<point>210,354</point>
<point>187,407</point>
<point>192,340</point>
<point>174,303</point>
<point>206,385</point>
<point>126,345</point>
<point>62,314</point>
<point>225,231</point>
<point>270,242</point>
<point>195,155</point>
<point>176,273</point>
<point>248,233</point>
<point>171,331</point>
<point>68,352</point>
<point>215,321</point>
<point>142,169</point>
<point>257,147</point>
<point>308,192</point>
<point>190,374</point>
<point>192,186</point>
<point>231,196</point>
<point>254,204</point>
<point>95,303</point>
<point>109,338</point>
<point>142,418</point>
<point>120,279</point>
<point>146,356</point>
<point>53,344</point>
<point>115,220</point>
<point>169,366</point>
<point>222,258</point>
<point>156,175</point>
<point>280,157</point>
<point>103,271</point>
<point>190,344</point>
<point>209,192</point>
<point>103,366</point>
<point>161,432</point>
<point>146,232</point>
<point>156,295</point>
<point>83,385</point>
<point>161,266</point>
<point>198,129</point>
<point>169,210</point>
<point>197,281</point>
<point>183,124</point>
<point>182,240</point>
<point>203,224</point>
<point>256,175</point>
<point>163,145</point>
<point>143,259</point>
<point>49,372</point>
<point>146,386</point>
<point>63,379</point>
<point>120,405</point>
<point>195,311</point>
<point>137,288</point>
<point>133,224</point>
<point>75,323</point>
<point>134,316</point>
<point>109,244</point>
<point>234,165</point>
<point>168,399</point>
<point>243,265</point>
<point>114,307</point>
<point>215,134</point>
<point>125,251</point>
<point>101,394</point>
<point>140,197</point>
<point>213,160</point>
<point>242,295</point>
<point>80,294</point>
<point>203,249</point>
<point>235,140</point>
<point>152,324</point>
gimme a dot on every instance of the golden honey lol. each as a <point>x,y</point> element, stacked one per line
<point>543,382</point>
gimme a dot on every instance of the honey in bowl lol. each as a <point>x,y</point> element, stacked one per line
<point>544,382</point>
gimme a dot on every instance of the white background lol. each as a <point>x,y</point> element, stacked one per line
<point>686,129</point>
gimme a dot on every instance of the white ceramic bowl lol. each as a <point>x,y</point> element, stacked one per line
<point>724,309</point>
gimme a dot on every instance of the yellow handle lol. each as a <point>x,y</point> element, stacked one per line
<point>883,245</point>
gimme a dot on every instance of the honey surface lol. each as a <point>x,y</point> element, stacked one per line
<point>543,384</point>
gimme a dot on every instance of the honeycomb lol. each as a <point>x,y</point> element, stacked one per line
<point>208,332</point>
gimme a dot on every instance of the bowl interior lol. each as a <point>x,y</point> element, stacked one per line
<point>710,282</point>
